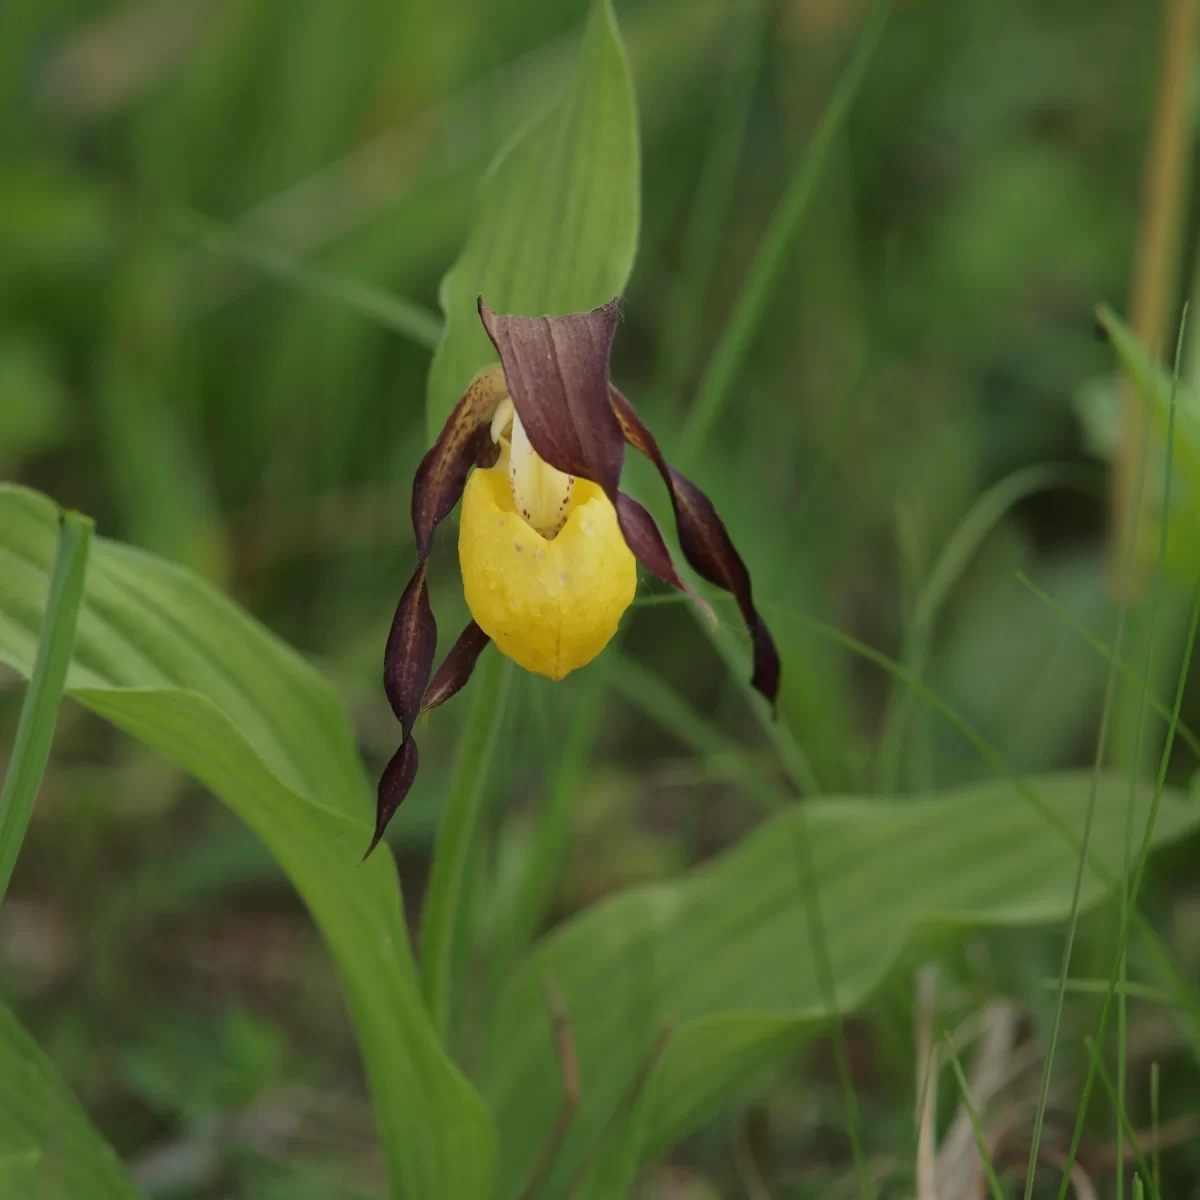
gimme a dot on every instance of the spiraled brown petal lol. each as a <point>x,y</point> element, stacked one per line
<point>557,372</point>
<point>456,667</point>
<point>394,786</point>
<point>643,538</point>
<point>463,442</point>
<point>412,642</point>
<point>706,544</point>
<point>411,645</point>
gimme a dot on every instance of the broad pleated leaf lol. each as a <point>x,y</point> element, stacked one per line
<point>557,224</point>
<point>47,1146</point>
<point>724,954</point>
<point>167,658</point>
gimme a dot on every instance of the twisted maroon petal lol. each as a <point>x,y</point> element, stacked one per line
<point>408,657</point>
<point>706,545</point>
<point>456,667</point>
<point>642,536</point>
<point>412,640</point>
<point>394,786</point>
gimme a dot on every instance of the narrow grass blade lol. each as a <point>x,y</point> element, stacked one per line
<point>714,190</point>
<point>1102,648</point>
<point>1130,913</point>
<point>418,324</point>
<point>1136,758</point>
<point>1129,890</point>
<point>960,549</point>
<point>446,922</point>
<point>644,689</point>
<point>1155,1157</point>
<point>771,260</point>
<point>35,730</point>
<point>965,1092</point>
<point>1110,687</point>
<point>1126,1128</point>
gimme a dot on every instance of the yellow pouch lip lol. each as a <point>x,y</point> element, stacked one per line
<point>552,604</point>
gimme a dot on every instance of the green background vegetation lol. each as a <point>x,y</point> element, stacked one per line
<point>861,314</point>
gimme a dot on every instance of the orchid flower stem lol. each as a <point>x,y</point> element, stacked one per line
<point>446,927</point>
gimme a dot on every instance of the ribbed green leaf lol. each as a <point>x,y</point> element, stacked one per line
<point>558,216</point>
<point>167,658</point>
<point>47,1146</point>
<point>724,955</point>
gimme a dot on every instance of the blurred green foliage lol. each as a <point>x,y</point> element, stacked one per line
<point>932,334</point>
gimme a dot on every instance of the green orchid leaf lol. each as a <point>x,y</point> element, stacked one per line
<point>722,957</point>
<point>557,225</point>
<point>167,658</point>
<point>47,1145</point>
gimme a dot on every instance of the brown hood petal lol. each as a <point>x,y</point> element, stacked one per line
<point>412,641</point>
<point>557,372</point>
<point>456,667</point>
<point>706,545</point>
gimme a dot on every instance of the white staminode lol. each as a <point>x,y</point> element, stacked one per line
<point>541,493</point>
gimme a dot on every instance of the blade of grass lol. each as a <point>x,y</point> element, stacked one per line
<point>662,704</point>
<point>1139,732</point>
<point>1110,688</point>
<point>1155,1156</point>
<point>965,1092</point>
<point>445,925</point>
<point>960,548</point>
<point>39,712</point>
<point>1130,909</point>
<point>1102,648</point>
<point>1099,987</point>
<point>791,754</point>
<point>771,260</point>
<point>706,222</point>
<point>1122,1118</point>
<point>418,324</point>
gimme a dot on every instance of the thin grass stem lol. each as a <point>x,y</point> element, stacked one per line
<point>964,1091</point>
<point>1127,909</point>
<point>771,260</point>
<point>418,324</point>
<point>1110,688</point>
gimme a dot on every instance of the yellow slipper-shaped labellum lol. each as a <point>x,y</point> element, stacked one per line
<point>552,604</point>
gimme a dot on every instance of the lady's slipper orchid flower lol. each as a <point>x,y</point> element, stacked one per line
<point>547,540</point>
